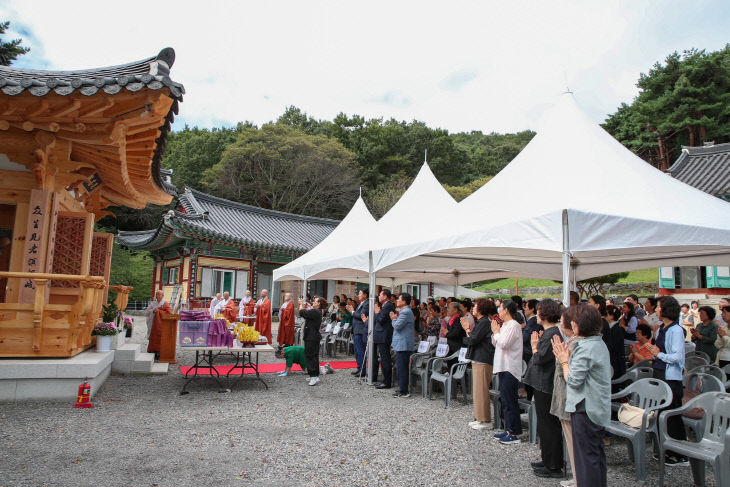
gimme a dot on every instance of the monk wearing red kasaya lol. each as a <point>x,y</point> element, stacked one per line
<point>155,311</point>
<point>247,306</point>
<point>228,307</point>
<point>285,336</point>
<point>263,315</point>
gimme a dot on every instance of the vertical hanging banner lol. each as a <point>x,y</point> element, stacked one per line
<point>192,280</point>
<point>36,236</point>
<point>51,245</point>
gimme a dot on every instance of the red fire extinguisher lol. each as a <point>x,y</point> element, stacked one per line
<point>84,396</point>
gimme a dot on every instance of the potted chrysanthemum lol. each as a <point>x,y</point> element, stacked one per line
<point>104,332</point>
<point>128,325</point>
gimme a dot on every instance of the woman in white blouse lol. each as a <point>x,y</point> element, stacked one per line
<point>507,341</point>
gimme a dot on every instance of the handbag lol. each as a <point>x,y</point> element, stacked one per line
<point>694,413</point>
<point>632,416</point>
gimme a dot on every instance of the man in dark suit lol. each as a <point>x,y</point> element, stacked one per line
<point>382,338</point>
<point>360,329</point>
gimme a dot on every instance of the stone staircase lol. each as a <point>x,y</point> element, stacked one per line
<point>130,359</point>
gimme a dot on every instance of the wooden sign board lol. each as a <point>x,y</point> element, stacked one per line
<point>36,240</point>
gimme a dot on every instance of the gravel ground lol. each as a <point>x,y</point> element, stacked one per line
<point>340,432</point>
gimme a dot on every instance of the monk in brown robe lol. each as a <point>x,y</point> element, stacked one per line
<point>285,336</point>
<point>247,307</point>
<point>228,307</point>
<point>263,315</point>
<point>155,311</point>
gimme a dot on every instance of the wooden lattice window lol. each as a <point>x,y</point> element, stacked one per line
<point>101,252</point>
<point>67,256</point>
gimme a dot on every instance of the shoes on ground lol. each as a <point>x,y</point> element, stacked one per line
<point>355,372</point>
<point>382,386</point>
<point>480,426</point>
<point>568,483</point>
<point>501,435</point>
<point>536,465</point>
<point>282,374</point>
<point>472,423</point>
<point>549,473</point>
<point>329,368</point>
<point>401,394</point>
<point>509,439</point>
<point>673,461</point>
<point>313,381</point>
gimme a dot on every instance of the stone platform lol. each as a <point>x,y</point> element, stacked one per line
<point>53,379</point>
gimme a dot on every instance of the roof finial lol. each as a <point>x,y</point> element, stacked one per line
<point>360,191</point>
<point>567,88</point>
<point>425,156</point>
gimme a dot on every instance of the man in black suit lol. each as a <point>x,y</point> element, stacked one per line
<point>382,338</point>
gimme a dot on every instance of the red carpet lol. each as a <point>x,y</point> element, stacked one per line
<point>268,368</point>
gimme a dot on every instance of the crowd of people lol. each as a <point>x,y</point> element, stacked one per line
<point>571,354</point>
<point>564,358</point>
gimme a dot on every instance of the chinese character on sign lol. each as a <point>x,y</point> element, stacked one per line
<point>93,182</point>
<point>37,210</point>
<point>35,223</point>
<point>28,284</point>
<point>34,238</point>
<point>33,249</point>
<point>31,262</point>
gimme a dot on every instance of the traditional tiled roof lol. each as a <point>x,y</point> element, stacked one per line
<point>706,168</point>
<point>152,73</point>
<point>208,217</point>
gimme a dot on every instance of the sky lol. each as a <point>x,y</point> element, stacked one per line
<point>493,66</point>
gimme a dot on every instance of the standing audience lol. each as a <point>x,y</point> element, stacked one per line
<point>382,338</point>
<point>723,340</point>
<point>359,329</point>
<point>402,341</point>
<point>507,341</point>
<point>481,353</point>
<point>588,394</point>
<point>668,353</point>
<point>540,377</point>
<point>312,323</point>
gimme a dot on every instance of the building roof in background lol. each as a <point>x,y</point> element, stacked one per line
<point>208,217</point>
<point>706,168</point>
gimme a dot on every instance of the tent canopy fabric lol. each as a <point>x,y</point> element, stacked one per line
<point>622,213</point>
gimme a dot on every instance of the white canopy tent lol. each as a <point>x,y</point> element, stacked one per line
<point>577,201</point>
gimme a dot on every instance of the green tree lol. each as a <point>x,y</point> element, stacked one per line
<point>131,268</point>
<point>285,169</point>
<point>382,198</point>
<point>192,151</point>
<point>685,101</point>
<point>461,192</point>
<point>10,50</point>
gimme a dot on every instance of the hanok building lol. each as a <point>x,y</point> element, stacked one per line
<point>707,168</point>
<point>72,143</point>
<point>207,245</point>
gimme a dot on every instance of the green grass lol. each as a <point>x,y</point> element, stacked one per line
<point>643,275</point>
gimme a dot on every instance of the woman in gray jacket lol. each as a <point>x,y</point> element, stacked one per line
<point>588,394</point>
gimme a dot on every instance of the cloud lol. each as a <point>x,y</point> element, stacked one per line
<point>458,80</point>
<point>463,66</point>
<point>394,99</point>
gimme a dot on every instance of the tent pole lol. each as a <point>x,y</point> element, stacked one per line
<point>566,260</point>
<point>456,285</point>
<point>371,318</point>
<point>304,289</point>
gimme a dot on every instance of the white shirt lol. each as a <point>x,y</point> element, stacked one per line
<point>213,303</point>
<point>508,349</point>
<point>220,306</point>
<point>654,322</point>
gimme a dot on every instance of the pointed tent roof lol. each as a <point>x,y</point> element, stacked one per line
<point>357,220</point>
<point>622,213</point>
<point>425,196</point>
